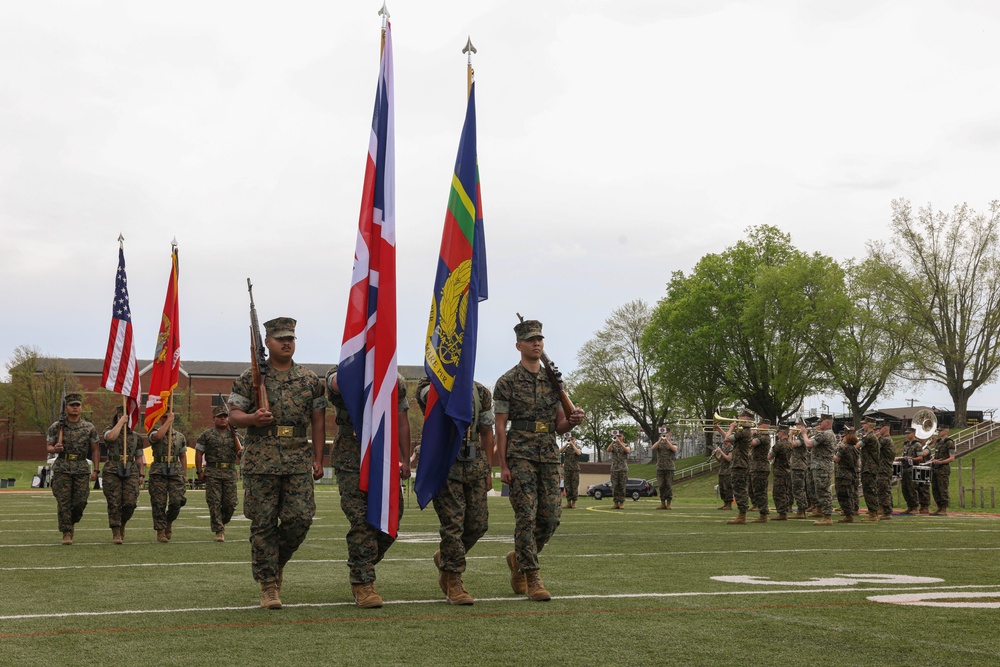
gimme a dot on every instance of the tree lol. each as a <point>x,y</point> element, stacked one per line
<point>602,413</point>
<point>945,275</point>
<point>37,383</point>
<point>749,343</point>
<point>619,366</point>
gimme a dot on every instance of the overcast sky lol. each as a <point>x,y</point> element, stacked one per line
<point>618,141</point>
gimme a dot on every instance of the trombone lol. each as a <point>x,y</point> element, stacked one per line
<point>742,423</point>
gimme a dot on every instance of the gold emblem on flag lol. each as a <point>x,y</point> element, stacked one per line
<point>453,305</point>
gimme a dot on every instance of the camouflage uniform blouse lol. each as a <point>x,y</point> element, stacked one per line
<point>726,467</point>
<point>78,440</point>
<point>782,456</point>
<point>824,443</point>
<point>619,456</point>
<point>942,449</point>
<point>481,465</point>
<point>571,460</point>
<point>178,455</point>
<point>913,448</point>
<point>294,394</point>
<point>870,454</point>
<point>799,458</point>
<point>847,466</point>
<point>115,451</point>
<point>346,453</point>
<point>887,452</point>
<point>758,454</point>
<point>741,448</point>
<point>218,447</point>
<point>665,457</point>
<point>526,396</point>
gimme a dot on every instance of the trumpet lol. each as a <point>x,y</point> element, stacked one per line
<point>742,423</point>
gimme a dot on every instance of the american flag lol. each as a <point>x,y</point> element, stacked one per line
<point>121,368</point>
<point>367,375</point>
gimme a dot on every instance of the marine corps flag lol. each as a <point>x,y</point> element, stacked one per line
<point>367,371</point>
<point>167,358</point>
<point>450,352</point>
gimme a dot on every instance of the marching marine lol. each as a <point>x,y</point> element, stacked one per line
<point>122,475</point>
<point>571,471</point>
<point>167,476</point>
<point>666,452</point>
<point>72,439</point>
<point>219,448</point>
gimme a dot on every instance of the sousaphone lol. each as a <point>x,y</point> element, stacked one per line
<point>924,423</point>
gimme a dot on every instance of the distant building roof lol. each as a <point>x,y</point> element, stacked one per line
<point>899,413</point>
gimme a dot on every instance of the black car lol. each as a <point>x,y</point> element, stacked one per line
<point>635,488</point>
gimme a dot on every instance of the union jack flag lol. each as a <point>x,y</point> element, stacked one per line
<point>367,374</point>
<point>121,367</point>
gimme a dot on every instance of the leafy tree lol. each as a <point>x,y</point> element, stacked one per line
<point>619,367</point>
<point>602,413</point>
<point>944,272</point>
<point>37,382</point>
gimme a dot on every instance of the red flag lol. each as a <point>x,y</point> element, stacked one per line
<point>167,358</point>
<point>121,367</point>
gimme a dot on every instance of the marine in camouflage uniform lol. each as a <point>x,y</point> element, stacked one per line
<point>870,456</point>
<point>366,544</point>
<point>887,454</point>
<point>571,471</point>
<point>799,464</point>
<point>218,447</point>
<point>461,504</point>
<point>724,455</point>
<point>846,459</point>
<point>167,476</point>
<point>526,400</point>
<point>811,494</point>
<point>943,452</point>
<point>122,476</point>
<point>279,464</point>
<point>70,473</point>
<point>781,464</point>
<point>665,466</point>
<point>913,452</point>
<point>822,445</point>
<point>760,471</point>
<point>739,438</point>
<point>619,471</point>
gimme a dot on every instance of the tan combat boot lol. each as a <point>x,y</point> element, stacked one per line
<point>116,535</point>
<point>220,536</point>
<point>886,516</point>
<point>442,575</point>
<point>663,505</point>
<point>161,536</point>
<point>742,518</point>
<point>848,518</point>
<point>801,514</point>
<point>725,506</point>
<point>925,510</point>
<point>269,596</point>
<point>668,505</point>
<point>517,581</point>
<point>67,538</point>
<point>169,532</point>
<point>909,510</point>
<point>365,596</point>
<point>455,590</point>
<point>825,521</point>
<point>536,591</point>
<point>781,517</point>
<point>871,516</point>
<point>760,519</point>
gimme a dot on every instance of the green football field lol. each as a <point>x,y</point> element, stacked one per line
<point>636,586</point>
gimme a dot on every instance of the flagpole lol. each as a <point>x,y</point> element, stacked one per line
<point>384,13</point>
<point>470,49</point>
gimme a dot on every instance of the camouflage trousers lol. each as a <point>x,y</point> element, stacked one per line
<point>464,517</point>
<point>799,479</point>
<point>824,499</point>
<point>726,488</point>
<point>758,489</point>
<point>883,484</point>
<point>812,496</point>
<point>122,494</point>
<point>571,484</point>
<point>665,482</point>
<point>909,491</point>
<point>166,495</point>
<point>847,495</point>
<point>281,509</point>
<point>221,496</point>
<point>869,485</point>
<point>619,479</point>
<point>741,480</point>
<point>939,484</point>
<point>534,495</point>
<point>782,492</point>
<point>366,545</point>
<point>71,492</point>
<point>923,494</point>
